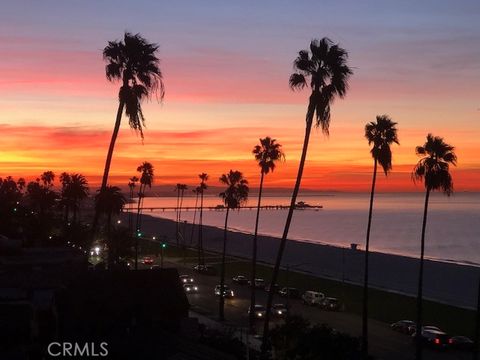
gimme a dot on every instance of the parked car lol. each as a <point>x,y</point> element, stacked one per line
<point>402,326</point>
<point>434,338</point>
<point>147,260</point>
<point>412,329</point>
<point>227,293</point>
<point>259,283</point>
<point>330,303</point>
<point>461,343</point>
<point>259,311</point>
<point>186,279</point>
<point>240,280</point>
<point>313,298</point>
<point>190,288</point>
<point>279,310</point>
<point>205,269</point>
<point>290,292</point>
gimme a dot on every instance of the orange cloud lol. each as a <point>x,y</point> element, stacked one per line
<point>340,163</point>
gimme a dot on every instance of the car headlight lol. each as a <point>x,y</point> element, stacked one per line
<point>195,288</point>
<point>259,314</point>
<point>188,289</point>
<point>280,312</point>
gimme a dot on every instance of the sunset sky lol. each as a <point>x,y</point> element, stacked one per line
<point>226,66</point>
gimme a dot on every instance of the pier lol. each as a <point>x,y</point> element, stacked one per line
<point>221,208</point>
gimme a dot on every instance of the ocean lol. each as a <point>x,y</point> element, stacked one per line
<point>453,227</point>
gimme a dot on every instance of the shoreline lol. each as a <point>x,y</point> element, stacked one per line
<point>446,282</point>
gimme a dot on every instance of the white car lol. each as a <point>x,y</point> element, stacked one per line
<point>313,298</point>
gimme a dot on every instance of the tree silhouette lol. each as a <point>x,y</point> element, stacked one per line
<point>132,183</point>
<point>267,153</point>
<point>381,134</point>
<point>146,179</point>
<point>201,188</point>
<point>233,197</point>
<point>134,62</point>
<point>434,170</point>
<point>109,202</point>
<point>325,65</point>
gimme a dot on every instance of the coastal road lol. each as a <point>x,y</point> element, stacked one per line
<point>384,342</point>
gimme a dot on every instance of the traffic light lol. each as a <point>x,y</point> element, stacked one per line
<point>139,233</point>
<point>164,245</point>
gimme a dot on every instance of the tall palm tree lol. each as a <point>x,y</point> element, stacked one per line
<point>109,202</point>
<point>325,69</point>
<point>202,187</point>
<point>196,191</point>
<point>146,179</point>
<point>134,62</point>
<point>132,183</point>
<point>267,153</point>
<point>182,189</point>
<point>381,134</point>
<point>434,170</point>
<point>233,197</point>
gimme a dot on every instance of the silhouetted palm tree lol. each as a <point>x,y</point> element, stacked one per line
<point>381,134</point>
<point>196,191</point>
<point>233,197</point>
<point>325,65</point>
<point>47,178</point>
<point>109,202</point>
<point>134,62</point>
<point>131,185</point>
<point>433,170</point>
<point>77,190</point>
<point>146,179</point>
<point>266,154</point>
<point>202,187</point>
<point>182,189</point>
<point>65,201</point>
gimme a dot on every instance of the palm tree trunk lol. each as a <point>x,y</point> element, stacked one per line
<point>67,213</point>
<point>365,276</point>
<point>221,303</point>
<point>177,226</point>
<point>283,241</point>
<point>137,227</point>
<point>75,209</point>
<point>251,317</point>
<point>418,348</point>
<point>110,248</point>
<point>193,222</point>
<point>201,257</point>
<point>108,161</point>
<point>130,215</point>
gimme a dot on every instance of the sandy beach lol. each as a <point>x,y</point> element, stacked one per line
<point>444,282</point>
